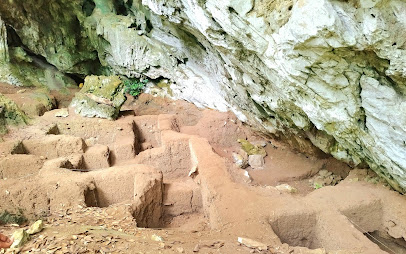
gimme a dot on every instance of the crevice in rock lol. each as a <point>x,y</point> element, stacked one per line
<point>193,39</point>
<point>88,7</point>
<point>123,7</point>
<point>13,39</point>
<point>39,61</point>
<point>149,26</point>
<point>362,121</point>
<point>78,78</point>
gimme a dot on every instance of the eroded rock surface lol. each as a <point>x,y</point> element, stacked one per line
<point>100,96</point>
<point>327,71</point>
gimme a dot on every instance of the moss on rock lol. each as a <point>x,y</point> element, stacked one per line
<point>101,96</point>
<point>10,113</point>
<point>251,149</point>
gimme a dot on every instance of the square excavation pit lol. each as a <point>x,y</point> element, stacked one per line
<point>139,186</point>
<point>297,230</point>
<point>387,243</point>
<point>369,219</point>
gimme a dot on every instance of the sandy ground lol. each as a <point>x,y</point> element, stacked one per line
<point>161,179</point>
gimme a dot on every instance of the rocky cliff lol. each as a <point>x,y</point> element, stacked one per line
<point>327,71</point>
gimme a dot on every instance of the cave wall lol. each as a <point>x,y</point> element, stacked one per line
<point>329,71</point>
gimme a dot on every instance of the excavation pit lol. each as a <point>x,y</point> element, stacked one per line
<point>387,243</point>
<point>297,230</point>
<point>369,218</point>
<point>147,172</point>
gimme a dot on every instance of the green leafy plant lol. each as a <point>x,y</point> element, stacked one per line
<point>134,87</point>
<point>317,186</point>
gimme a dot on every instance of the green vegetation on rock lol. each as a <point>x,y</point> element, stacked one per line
<point>10,114</point>
<point>251,149</point>
<point>9,218</point>
<point>134,87</point>
<point>101,96</point>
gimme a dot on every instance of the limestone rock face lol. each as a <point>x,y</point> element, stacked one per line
<point>100,96</point>
<point>329,71</point>
<point>3,43</point>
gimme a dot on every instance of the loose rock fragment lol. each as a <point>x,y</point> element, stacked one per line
<point>64,112</point>
<point>325,178</point>
<point>101,96</point>
<point>193,172</point>
<point>252,243</point>
<point>37,227</point>
<point>286,188</point>
<point>196,248</point>
<point>240,161</point>
<point>157,238</point>
<point>256,161</point>
<point>20,238</point>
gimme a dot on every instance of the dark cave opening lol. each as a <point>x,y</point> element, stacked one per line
<point>13,39</point>
<point>88,7</point>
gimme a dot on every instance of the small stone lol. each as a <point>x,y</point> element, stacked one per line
<point>74,237</point>
<point>286,188</point>
<point>328,180</point>
<point>196,248</point>
<point>180,250</point>
<point>21,91</point>
<point>256,161</point>
<point>252,243</point>
<point>20,237</point>
<point>62,113</point>
<point>193,172</point>
<point>157,238</point>
<point>240,161</point>
<point>37,227</point>
<point>247,176</point>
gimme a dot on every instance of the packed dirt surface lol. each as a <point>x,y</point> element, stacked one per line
<point>162,179</point>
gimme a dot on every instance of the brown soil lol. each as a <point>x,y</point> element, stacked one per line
<point>31,104</point>
<point>161,179</point>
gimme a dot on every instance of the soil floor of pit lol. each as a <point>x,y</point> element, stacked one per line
<point>347,211</point>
